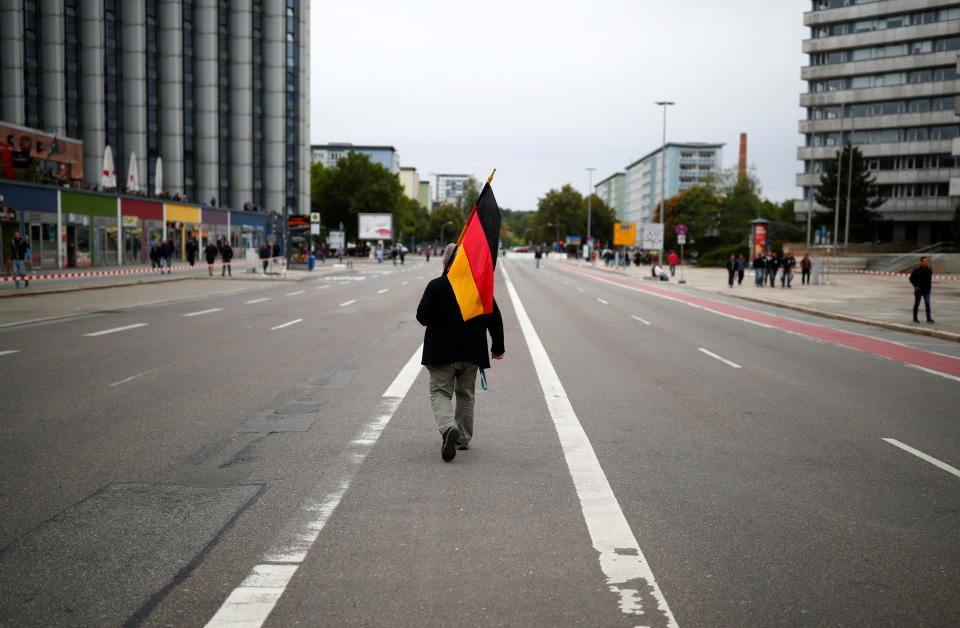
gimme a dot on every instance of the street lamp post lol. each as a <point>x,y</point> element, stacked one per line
<point>589,199</point>
<point>663,170</point>
<point>442,242</point>
<point>554,225</point>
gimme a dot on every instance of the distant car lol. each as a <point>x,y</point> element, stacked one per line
<point>520,249</point>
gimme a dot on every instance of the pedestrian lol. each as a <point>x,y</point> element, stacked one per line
<point>403,253</point>
<point>155,255</point>
<point>427,253</point>
<point>805,266</point>
<point>192,251</point>
<point>922,280</point>
<point>211,254</point>
<point>453,351</point>
<point>759,267</point>
<point>773,264</point>
<point>741,269</point>
<point>394,254</point>
<point>786,275</point>
<point>731,269</point>
<point>379,254</point>
<point>226,252</point>
<point>20,252</point>
<point>166,253</point>
<point>537,255</point>
<point>265,255</point>
<point>673,260</point>
<point>659,272</point>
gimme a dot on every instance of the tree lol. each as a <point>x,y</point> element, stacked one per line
<point>865,196</point>
<point>355,185</point>
<point>567,209</point>
<point>471,191</point>
<point>439,217</point>
<point>514,225</point>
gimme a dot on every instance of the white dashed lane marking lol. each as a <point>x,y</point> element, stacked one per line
<point>258,300</point>
<point>637,318</point>
<point>202,312</point>
<point>346,303</point>
<point>294,322</point>
<point>293,294</point>
<point>116,329</point>
<point>717,357</point>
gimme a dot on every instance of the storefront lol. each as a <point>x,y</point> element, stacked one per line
<point>142,222</point>
<point>183,223</point>
<point>216,226</point>
<point>90,228</point>
<point>247,232</point>
<point>32,211</point>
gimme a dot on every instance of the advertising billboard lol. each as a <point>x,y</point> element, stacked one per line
<point>652,236</point>
<point>376,227</point>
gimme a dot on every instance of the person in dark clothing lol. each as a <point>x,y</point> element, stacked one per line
<point>805,266</point>
<point>731,269</point>
<point>773,264</point>
<point>741,269</point>
<point>226,252</point>
<point>166,253</point>
<point>265,255</point>
<point>786,275</point>
<point>211,254</point>
<point>922,280</point>
<point>192,250</point>
<point>20,252</point>
<point>155,255</point>
<point>453,350</point>
<point>759,268</point>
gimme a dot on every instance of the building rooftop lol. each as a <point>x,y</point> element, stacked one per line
<point>695,145</point>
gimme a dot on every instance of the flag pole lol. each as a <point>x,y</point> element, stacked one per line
<point>490,178</point>
<point>464,230</point>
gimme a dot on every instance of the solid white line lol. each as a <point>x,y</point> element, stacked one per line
<point>637,318</point>
<point>116,329</point>
<point>258,300</point>
<point>382,291</point>
<point>133,377</point>
<point>326,285</point>
<point>293,294</point>
<point>621,559</point>
<point>299,320</point>
<point>9,351</point>
<point>252,602</point>
<point>202,312</point>
<point>346,303</point>
<point>724,360</point>
<point>602,301</point>
<point>920,454</point>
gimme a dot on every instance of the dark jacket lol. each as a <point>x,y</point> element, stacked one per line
<point>192,250</point>
<point>226,252</point>
<point>265,251</point>
<point>922,278</point>
<point>448,338</point>
<point>732,265</point>
<point>788,263</point>
<point>19,249</point>
<point>155,254</point>
<point>773,264</point>
<point>210,253</point>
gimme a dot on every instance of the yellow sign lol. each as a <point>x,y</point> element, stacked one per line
<point>624,234</point>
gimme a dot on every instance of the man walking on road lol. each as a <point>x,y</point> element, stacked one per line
<point>922,280</point>
<point>453,350</point>
<point>20,251</point>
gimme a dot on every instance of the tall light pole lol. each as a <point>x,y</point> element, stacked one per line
<point>555,226</point>
<point>846,224</point>
<point>442,242</point>
<point>589,199</point>
<point>663,169</point>
<point>836,205</point>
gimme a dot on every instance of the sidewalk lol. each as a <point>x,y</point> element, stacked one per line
<point>875,300</point>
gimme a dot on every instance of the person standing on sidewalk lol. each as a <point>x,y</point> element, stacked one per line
<point>922,280</point>
<point>673,260</point>
<point>211,254</point>
<point>265,255</point>
<point>786,275</point>
<point>772,265</point>
<point>759,267</point>
<point>731,269</point>
<point>453,351</point>
<point>20,252</point>
<point>166,252</point>
<point>192,251</point>
<point>741,269</point>
<point>805,266</point>
<point>226,252</point>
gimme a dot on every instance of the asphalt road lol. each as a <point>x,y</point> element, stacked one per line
<point>643,456</point>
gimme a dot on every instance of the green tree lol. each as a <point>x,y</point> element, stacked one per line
<point>699,208</point>
<point>865,196</point>
<point>567,209</point>
<point>355,185</point>
<point>514,225</point>
<point>445,213</point>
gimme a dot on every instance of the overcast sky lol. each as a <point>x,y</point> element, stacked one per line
<point>542,90</point>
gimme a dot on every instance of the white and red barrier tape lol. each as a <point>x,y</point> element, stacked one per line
<point>885,273</point>
<point>132,271</point>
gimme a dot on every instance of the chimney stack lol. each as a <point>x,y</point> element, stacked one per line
<point>742,171</point>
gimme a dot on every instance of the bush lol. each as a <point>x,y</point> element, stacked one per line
<point>720,255</point>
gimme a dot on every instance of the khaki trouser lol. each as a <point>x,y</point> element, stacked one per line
<point>459,378</point>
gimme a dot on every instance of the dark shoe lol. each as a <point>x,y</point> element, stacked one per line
<point>449,449</point>
<point>929,320</point>
<point>916,320</point>
<point>463,446</point>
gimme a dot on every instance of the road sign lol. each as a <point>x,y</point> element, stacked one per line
<point>681,239</point>
<point>314,217</point>
<point>681,230</point>
<point>624,234</point>
<point>652,237</point>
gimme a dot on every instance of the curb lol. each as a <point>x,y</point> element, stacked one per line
<point>920,331</point>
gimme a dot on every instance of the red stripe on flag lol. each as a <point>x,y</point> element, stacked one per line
<point>477,249</point>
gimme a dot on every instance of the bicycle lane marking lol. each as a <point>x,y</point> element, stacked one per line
<point>255,598</point>
<point>622,561</point>
<point>935,363</point>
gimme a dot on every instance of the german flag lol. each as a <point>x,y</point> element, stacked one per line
<point>471,271</point>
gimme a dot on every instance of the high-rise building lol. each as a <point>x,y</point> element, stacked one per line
<point>687,165</point>
<point>216,88</point>
<point>613,191</point>
<point>884,75</point>
<point>449,188</point>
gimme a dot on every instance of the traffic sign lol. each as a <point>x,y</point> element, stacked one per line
<point>681,239</point>
<point>681,230</point>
